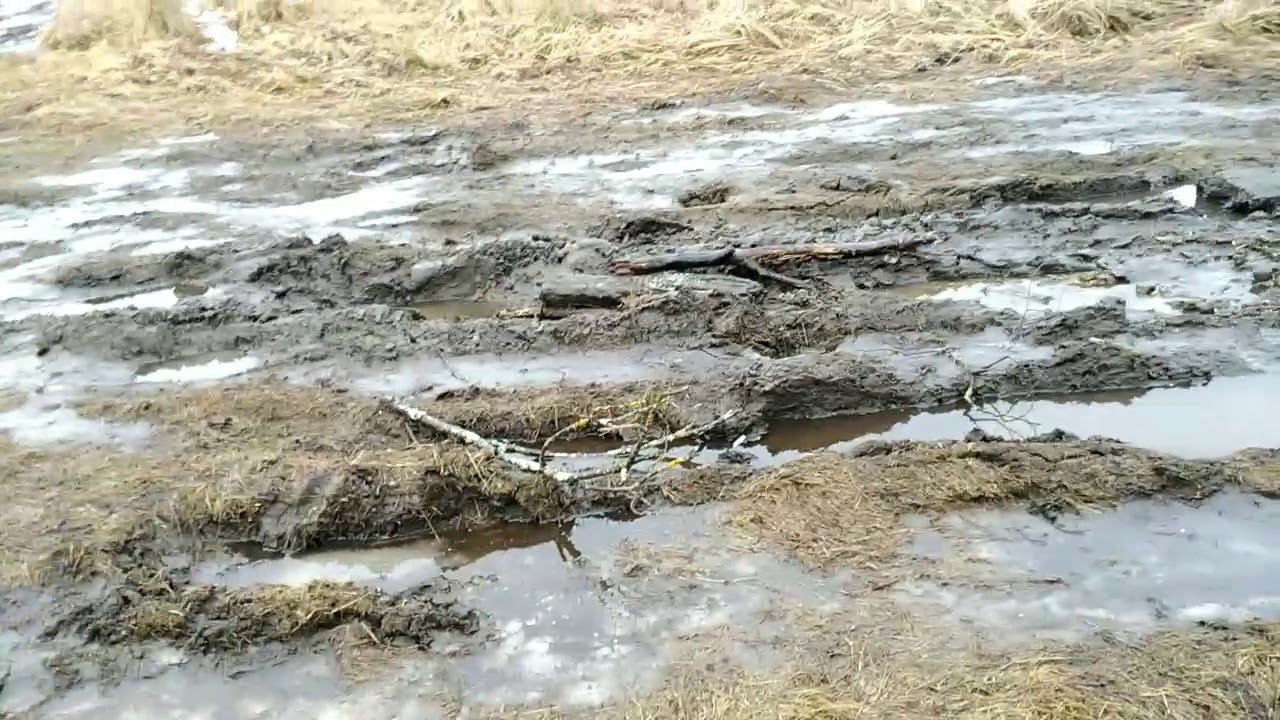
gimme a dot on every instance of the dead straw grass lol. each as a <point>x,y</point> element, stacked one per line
<point>837,509</point>
<point>563,409</point>
<point>1175,676</point>
<point>226,457</point>
<point>887,667</point>
<point>369,61</point>
<point>81,24</point>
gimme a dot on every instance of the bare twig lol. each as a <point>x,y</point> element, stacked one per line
<point>523,458</point>
<point>756,269</point>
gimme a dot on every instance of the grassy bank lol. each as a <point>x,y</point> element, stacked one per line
<point>117,63</point>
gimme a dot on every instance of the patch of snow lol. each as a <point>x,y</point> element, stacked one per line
<point>297,572</point>
<point>212,370</point>
<point>41,425</point>
<point>215,28</point>
<point>1184,195</point>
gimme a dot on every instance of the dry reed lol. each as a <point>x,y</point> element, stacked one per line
<point>366,61</point>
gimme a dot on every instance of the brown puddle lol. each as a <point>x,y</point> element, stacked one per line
<point>581,612</point>
<point>1210,420</point>
<point>455,309</point>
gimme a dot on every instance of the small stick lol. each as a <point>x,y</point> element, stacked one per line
<point>522,458</point>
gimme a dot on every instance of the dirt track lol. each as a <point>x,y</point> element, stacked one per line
<point>1023,244</point>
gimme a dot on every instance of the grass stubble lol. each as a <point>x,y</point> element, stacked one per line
<point>120,66</point>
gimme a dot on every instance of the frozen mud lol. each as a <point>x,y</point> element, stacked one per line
<point>1040,264</point>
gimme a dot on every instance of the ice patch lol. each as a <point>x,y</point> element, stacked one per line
<point>103,180</point>
<point>150,300</point>
<point>380,197</point>
<point>188,139</point>
<point>297,572</point>
<point>1171,282</point>
<point>1035,298</point>
<point>20,23</point>
<point>652,177</point>
<point>215,28</point>
<point>1004,80</point>
<point>1074,147</point>
<point>1184,195</point>
<point>41,425</point>
<point>212,370</point>
<point>1139,567</point>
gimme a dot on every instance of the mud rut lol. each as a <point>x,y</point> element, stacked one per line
<point>789,279</point>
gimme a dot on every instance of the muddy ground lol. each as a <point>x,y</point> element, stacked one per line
<point>963,366</point>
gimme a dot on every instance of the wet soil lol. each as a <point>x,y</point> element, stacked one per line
<point>946,302</point>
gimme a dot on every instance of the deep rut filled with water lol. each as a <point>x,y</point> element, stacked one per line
<point>446,421</point>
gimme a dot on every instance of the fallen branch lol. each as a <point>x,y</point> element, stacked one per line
<point>752,260</point>
<point>534,460</point>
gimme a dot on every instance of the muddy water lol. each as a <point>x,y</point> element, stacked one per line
<point>582,612</point>
<point>1129,570</point>
<point>1216,419</point>
<point>455,309</point>
<point>1211,420</point>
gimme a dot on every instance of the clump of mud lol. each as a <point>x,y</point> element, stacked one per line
<point>292,468</point>
<point>137,589</point>
<point>397,495</point>
<point>182,266</point>
<point>210,619</point>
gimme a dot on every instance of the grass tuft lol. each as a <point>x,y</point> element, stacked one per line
<point>832,509</point>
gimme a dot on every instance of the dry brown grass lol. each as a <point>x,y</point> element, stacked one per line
<point>244,448</point>
<point>226,457</point>
<point>889,669</point>
<point>833,509</point>
<point>537,414</point>
<point>66,495</point>
<point>1260,472</point>
<point>80,24</point>
<point>365,61</point>
<point>1192,675</point>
